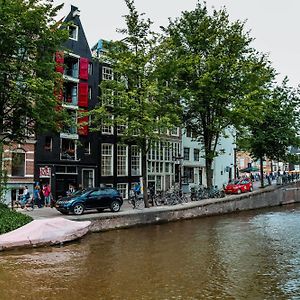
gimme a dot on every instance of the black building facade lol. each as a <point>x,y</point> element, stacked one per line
<point>71,157</point>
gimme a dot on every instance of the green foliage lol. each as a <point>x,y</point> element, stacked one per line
<point>139,100</point>
<point>11,220</point>
<point>215,70</point>
<point>29,37</point>
<point>277,127</point>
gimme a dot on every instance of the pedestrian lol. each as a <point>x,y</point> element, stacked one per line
<point>47,194</point>
<point>36,196</point>
<point>24,197</point>
<point>42,198</point>
<point>71,190</point>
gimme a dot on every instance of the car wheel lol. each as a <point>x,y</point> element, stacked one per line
<point>251,189</point>
<point>78,209</point>
<point>239,191</point>
<point>100,209</point>
<point>115,206</point>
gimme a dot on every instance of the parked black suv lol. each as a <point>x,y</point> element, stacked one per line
<point>92,198</point>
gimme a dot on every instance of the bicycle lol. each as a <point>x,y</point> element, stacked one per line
<point>136,200</point>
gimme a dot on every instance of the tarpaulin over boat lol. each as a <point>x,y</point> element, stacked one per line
<point>44,232</point>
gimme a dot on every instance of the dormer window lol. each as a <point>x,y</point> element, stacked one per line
<point>73,32</point>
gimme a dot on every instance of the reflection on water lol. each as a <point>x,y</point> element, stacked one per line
<point>252,255</point>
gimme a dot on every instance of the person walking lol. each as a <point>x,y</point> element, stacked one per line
<point>47,194</point>
<point>36,196</point>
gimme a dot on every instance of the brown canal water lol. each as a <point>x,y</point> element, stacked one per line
<point>249,255</point>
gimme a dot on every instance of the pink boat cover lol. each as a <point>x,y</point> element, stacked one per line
<point>44,232</point>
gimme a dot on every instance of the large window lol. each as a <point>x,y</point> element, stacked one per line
<point>188,174</point>
<point>186,153</point>
<point>107,159</point>
<point>73,32</point>
<point>68,149</point>
<point>18,164</point>
<point>107,73</point>
<point>196,154</point>
<point>135,161</point>
<point>107,128</point>
<point>48,144</point>
<point>121,160</point>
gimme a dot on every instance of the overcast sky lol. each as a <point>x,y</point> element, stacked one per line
<point>275,24</point>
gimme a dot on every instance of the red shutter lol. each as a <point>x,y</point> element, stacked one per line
<point>84,68</point>
<point>59,59</point>
<point>83,94</point>
<point>83,128</point>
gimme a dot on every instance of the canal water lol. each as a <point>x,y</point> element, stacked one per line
<point>248,255</point>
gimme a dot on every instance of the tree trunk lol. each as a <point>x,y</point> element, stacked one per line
<point>144,176</point>
<point>261,172</point>
<point>209,173</point>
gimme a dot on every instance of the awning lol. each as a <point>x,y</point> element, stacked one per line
<point>249,170</point>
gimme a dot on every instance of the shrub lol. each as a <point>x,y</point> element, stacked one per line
<point>11,220</point>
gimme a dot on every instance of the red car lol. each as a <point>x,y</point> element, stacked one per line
<point>239,186</point>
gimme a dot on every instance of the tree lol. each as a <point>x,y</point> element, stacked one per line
<point>29,37</point>
<point>141,101</point>
<point>277,127</point>
<point>215,70</point>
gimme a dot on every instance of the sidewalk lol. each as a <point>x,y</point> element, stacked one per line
<point>47,212</point>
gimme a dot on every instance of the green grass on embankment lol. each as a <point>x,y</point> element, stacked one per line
<point>11,220</point>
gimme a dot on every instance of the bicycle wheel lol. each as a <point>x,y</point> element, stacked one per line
<point>139,203</point>
<point>132,202</point>
<point>158,200</point>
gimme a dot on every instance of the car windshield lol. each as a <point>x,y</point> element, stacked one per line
<point>81,192</point>
<point>234,181</point>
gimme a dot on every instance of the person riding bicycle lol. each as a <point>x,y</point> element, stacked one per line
<point>136,194</point>
<point>137,189</point>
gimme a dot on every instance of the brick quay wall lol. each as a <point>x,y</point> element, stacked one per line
<point>262,198</point>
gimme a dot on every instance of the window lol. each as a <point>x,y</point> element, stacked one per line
<point>167,167</point>
<point>188,174</point>
<point>120,129</point>
<point>107,97</point>
<point>71,65</point>
<point>73,32</point>
<point>121,160</point>
<point>188,132</point>
<point>87,178</point>
<point>18,164</point>
<point>167,152</point>
<point>122,188</point>
<point>107,73</point>
<point>175,131</point>
<point>196,154</point>
<point>107,160</point>
<point>70,94</point>
<point>48,144</point>
<point>135,161</point>
<point>68,149</point>
<point>107,129</point>
<point>186,153</point>
<point>87,148</point>
<point>71,127</point>
<point>90,93</point>
<point>90,70</point>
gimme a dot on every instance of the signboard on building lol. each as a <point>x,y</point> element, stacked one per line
<point>45,172</point>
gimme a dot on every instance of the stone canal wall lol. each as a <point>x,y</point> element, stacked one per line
<point>267,197</point>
